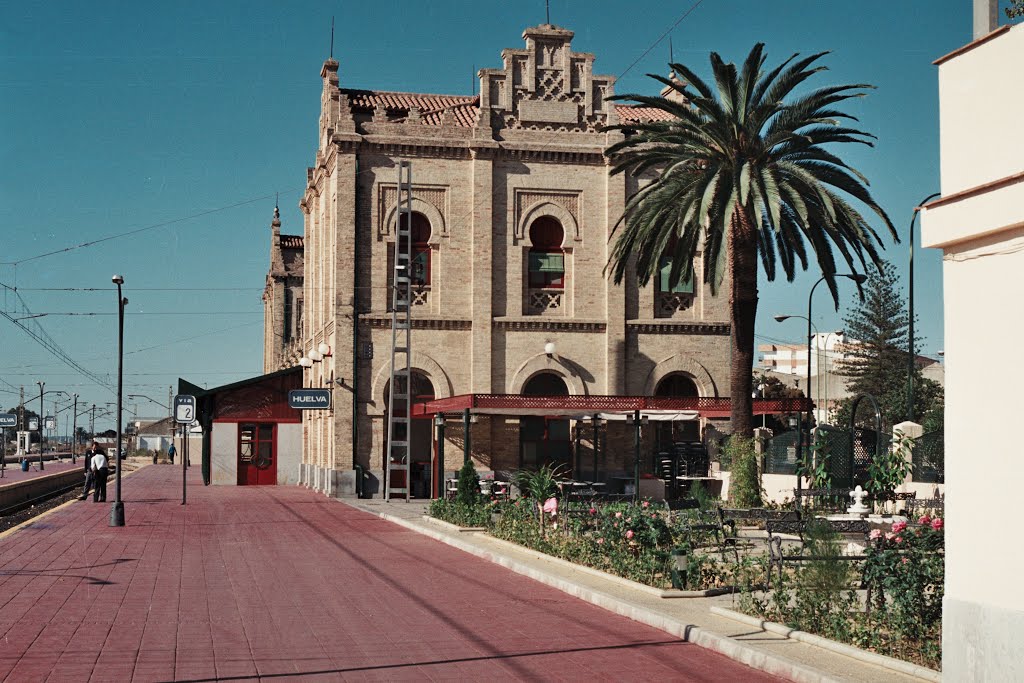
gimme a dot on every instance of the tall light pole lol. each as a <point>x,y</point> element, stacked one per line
<point>910,345</point>
<point>117,509</point>
<point>42,385</point>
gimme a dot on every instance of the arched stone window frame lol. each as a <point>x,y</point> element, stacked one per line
<point>569,227</point>
<point>554,210</point>
<point>684,365</point>
<point>438,227</point>
<point>541,363</point>
<point>421,363</point>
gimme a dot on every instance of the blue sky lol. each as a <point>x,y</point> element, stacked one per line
<point>125,116</point>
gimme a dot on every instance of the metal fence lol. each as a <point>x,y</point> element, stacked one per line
<point>782,453</point>
<point>929,458</point>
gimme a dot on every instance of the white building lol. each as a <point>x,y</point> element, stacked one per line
<point>979,225</point>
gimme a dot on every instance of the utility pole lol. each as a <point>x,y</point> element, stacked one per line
<point>92,423</point>
<point>42,385</point>
<point>74,429</point>
<point>21,410</point>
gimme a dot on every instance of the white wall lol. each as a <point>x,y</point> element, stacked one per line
<point>224,453</point>
<point>982,237</point>
<point>289,453</point>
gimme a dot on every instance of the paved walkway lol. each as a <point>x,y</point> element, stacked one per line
<point>13,473</point>
<point>283,584</point>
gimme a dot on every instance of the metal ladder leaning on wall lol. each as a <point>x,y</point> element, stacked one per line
<point>398,427</point>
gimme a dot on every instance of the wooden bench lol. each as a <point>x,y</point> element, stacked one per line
<point>777,555</point>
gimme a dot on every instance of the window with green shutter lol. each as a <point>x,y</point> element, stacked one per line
<point>664,270</point>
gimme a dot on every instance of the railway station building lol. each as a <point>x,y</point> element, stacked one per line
<point>514,210</point>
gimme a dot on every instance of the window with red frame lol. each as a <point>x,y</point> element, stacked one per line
<point>420,250</point>
<point>546,260</point>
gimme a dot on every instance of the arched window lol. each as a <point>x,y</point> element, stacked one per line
<point>676,385</point>
<point>420,250</point>
<point>546,258</point>
<point>544,440</point>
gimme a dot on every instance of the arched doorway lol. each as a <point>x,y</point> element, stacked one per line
<point>676,385</point>
<point>420,437</point>
<point>544,440</point>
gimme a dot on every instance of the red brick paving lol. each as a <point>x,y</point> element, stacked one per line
<point>281,584</point>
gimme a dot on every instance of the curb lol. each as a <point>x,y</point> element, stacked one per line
<point>883,661</point>
<point>733,649</point>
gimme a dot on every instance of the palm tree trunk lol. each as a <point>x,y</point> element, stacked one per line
<point>743,314</point>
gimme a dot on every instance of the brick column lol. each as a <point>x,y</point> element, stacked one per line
<point>615,337</point>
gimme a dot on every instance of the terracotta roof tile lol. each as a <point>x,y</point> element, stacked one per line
<point>637,114</point>
<point>464,106</point>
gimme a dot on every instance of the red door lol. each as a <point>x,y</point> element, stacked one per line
<point>257,454</point>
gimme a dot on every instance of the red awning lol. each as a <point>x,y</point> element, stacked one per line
<point>580,406</point>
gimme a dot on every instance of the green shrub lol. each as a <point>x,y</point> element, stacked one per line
<point>468,493</point>
<point>454,512</point>
<point>745,484</point>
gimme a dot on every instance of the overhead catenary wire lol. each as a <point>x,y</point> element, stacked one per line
<point>661,38</point>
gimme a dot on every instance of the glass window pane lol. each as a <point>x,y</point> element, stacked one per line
<point>266,433</point>
<point>558,430</point>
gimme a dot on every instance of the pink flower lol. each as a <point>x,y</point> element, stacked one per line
<point>905,561</point>
<point>629,534</point>
<point>645,504</point>
<point>898,539</point>
<point>898,527</point>
<point>654,515</point>
<point>593,511</point>
<point>618,515</point>
<point>924,519</point>
<point>937,524</point>
<point>551,506</point>
<point>600,541</point>
<point>889,536</point>
<point>875,534</point>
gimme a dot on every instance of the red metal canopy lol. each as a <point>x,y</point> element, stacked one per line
<point>515,404</point>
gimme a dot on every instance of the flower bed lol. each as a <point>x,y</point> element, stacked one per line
<point>905,569</point>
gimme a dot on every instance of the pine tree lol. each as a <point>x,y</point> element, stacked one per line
<point>875,360</point>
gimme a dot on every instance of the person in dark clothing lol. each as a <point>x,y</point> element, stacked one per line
<point>99,468</point>
<point>90,480</point>
<point>171,450</point>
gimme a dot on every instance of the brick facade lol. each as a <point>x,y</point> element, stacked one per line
<point>484,169</point>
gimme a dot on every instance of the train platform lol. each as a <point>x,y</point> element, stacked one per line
<point>283,584</point>
<point>12,473</point>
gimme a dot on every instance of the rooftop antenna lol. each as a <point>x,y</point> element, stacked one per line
<point>671,59</point>
<point>332,37</point>
<point>547,12</point>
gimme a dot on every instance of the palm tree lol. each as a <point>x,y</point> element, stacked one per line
<point>741,173</point>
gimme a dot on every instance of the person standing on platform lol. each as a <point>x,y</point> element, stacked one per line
<point>171,450</point>
<point>99,469</point>
<point>90,480</point>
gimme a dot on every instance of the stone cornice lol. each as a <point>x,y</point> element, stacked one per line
<point>466,148</point>
<point>542,324</point>
<point>383,322</point>
<point>674,327</point>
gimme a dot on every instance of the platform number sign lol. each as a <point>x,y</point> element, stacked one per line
<point>184,408</point>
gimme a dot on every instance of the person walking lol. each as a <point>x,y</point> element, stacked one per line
<point>99,468</point>
<point>90,480</point>
<point>171,451</point>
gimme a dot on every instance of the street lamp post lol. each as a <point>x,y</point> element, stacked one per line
<point>117,509</point>
<point>910,346</point>
<point>837,333</point>
<point>42,385</point>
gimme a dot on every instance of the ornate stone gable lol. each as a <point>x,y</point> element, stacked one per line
<point>546,87</point>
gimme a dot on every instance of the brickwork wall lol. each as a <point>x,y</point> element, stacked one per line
<point>481,187</point>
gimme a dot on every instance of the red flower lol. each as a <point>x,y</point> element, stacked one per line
<point>937,524</point>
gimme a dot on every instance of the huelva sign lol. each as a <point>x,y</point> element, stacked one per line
<point>309,399</point>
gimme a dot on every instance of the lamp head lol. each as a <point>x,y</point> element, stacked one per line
<point>859,278</point>
<point>781,318</point>
<point>305,362</point>
<point>324,349</point>
<point>549,349</point>
<point>117,279</point>
<point>315,356</point>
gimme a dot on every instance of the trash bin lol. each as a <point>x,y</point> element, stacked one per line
<point>24,464</point>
